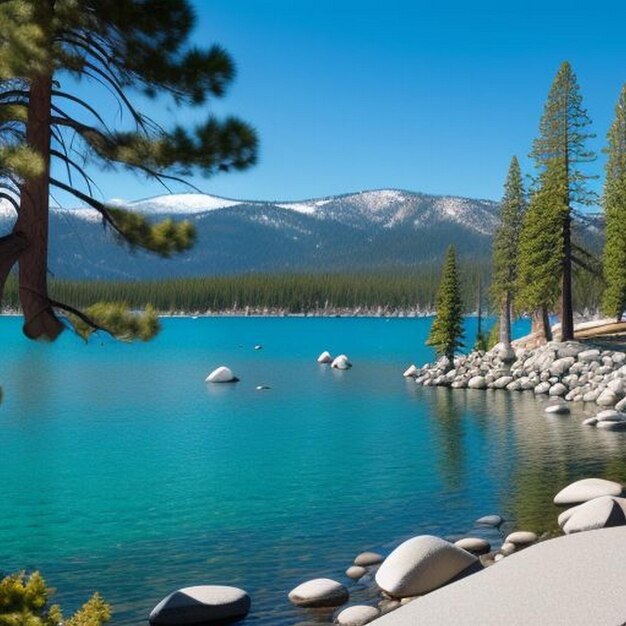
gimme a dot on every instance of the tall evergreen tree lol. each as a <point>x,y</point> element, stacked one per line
<point>506,248</point>
<point>540,256</point>
<point>46,48</point>
<point>446,333</point>
<point>614,201</point>
<point>559,152</point>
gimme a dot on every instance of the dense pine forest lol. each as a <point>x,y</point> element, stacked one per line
<point>294,293</point>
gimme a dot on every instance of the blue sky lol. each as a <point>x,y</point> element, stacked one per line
<point>427,96</point>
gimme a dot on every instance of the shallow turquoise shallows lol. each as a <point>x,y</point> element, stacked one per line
<point>123,471</point>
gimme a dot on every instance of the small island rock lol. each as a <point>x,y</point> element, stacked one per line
<point>222,374</point>
<point>325,357</point>
<point>203,604</point>
<point>341,362</point>
<point>319,592</point>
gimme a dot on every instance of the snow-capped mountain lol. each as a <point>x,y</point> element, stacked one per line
<point>365,230</point>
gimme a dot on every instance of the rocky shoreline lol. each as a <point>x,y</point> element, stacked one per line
<point>412,570</point>
<point>566,371</point>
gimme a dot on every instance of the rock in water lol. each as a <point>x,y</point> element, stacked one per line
<point>325,357</point>
<point>521,538</point>
<point>357,615</point>
<point>587,489</point>
<point>490,520</point>
<point>205,604</point>
<point>410,372</point>
<point>368,558</point>
<point>420,565</point>
<point>602,512</point>
<point>557,409</point>
<point>222,374</point>
<point>475,545</point>
<point>341,362</point>
<point>355,572</point>
<point>319,592</point>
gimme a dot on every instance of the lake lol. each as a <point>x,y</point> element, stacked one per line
<point>123,472</point>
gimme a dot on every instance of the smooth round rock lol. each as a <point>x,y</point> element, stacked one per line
<point>342,362</point>
<point>357,615</point>
<point>319,592</point>
<point>221,374</point>
<point>368,558</point>
<point>590,421</point>
<point>477,382</point>
<point>203,604</point>
<point>325,357</point>
<point>420,565</point>
<point>475,545</point>
<point>490,520</point>
<point>557,409</point>
<point>521,538</point>
<point>617,425</point>
<point>602,512</point>
<point>587,489</point>
<point>355,572</point>
<point>610,415</point>
<point>508,548</point>
<point>410,371</point>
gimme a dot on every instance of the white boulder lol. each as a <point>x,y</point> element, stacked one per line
<point>410,372</point>
<point>204,604</point>
<point>587,489</point>
<point>602,512</point>
<point>420,565</point>
<point>222,374</point>
<point>325,357</point>
<point>557,409</point>
<point>477,382</point>
<point>319,592</point>
<point>342,362</point>
<point>357,615</point>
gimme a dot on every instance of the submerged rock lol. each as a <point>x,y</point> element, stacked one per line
<point>204,604</point>
<point>557,409</point>
<point>490,520</point>
<point>222,374</point>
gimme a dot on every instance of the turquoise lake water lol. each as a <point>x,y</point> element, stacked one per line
<point>123,472</point>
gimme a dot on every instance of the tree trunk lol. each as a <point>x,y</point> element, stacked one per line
<point>505,321</point>
<point>40,322</point>
<point>541,325</point>
<point>567,309</point>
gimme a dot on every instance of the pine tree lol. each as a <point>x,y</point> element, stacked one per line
<point>46,47</point>
<point>506,248</point>
<point>446,333</point>
<point>559,152</point>
<point>540,256</point>
<point>614,201</point>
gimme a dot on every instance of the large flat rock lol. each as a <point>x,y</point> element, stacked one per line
<point>576,579</point>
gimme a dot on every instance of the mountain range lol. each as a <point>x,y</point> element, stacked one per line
<point>369,230</point>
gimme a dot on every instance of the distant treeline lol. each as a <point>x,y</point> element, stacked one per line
<point>295,293</point>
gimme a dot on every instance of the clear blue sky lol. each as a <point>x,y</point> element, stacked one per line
<point>426,96</point>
